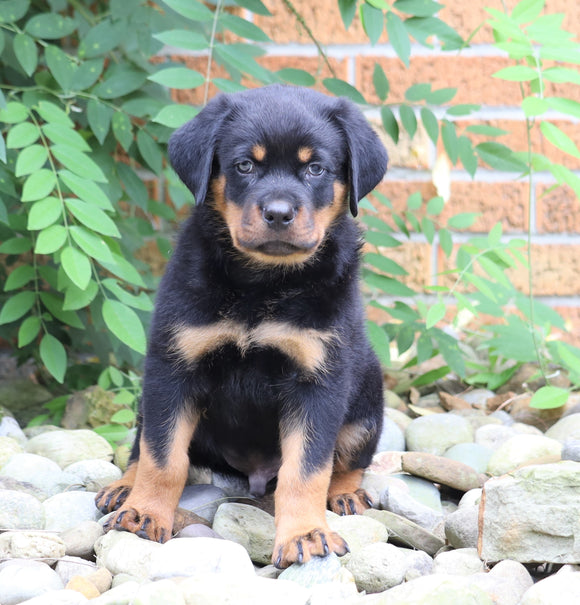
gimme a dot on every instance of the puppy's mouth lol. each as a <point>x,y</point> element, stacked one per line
<point>279,247</point>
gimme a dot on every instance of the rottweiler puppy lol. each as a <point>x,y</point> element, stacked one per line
<point>258,363</point>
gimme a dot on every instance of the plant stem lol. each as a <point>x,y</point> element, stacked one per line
<point>216,14</point>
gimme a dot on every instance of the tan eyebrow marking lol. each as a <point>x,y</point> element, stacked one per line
<point>305,154</point>
<point>259,152</point>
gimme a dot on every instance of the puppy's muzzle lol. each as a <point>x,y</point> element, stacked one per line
<point>278,214</point>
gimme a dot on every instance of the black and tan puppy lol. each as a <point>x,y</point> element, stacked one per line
<point>258,362</point>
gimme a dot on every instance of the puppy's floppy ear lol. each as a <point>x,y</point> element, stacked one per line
<point>192,147</point>
<point>367,157</point>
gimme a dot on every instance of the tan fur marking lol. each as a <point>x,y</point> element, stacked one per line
<point>157,490</point>
<point>327,215</point>
<point>305,154</point>
<point>306,347</point>
<point>259,152</point>
<point>345,482</point>
<point>349,442</point>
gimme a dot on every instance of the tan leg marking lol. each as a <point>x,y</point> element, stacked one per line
<point>149,510</point>
<point>300,502</point>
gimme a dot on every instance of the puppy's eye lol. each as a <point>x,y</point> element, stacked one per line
<point>245,167</point>
<point>315,169</point>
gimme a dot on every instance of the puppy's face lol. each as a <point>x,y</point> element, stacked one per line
<point>279,182</point>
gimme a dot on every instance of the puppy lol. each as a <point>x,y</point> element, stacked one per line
<point>258,363</point>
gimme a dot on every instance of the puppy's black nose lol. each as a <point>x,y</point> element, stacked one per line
<point>278,214</point>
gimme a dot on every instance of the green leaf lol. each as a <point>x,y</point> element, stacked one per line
<point>372,22</point>
<point>13,10</point>
<point>516,73</point>
<point>347,10</point>
<point>560,139</point>
<point>446,242</point>
<point>101,39</point>
<point>380,342</point>
<point>376,238</point>
<point>91,244</point>
<point>66,136</point>
<point>398,37</point>
<point>386,284</point>
<point>50,26</point>
<point>79,163</point>
<point>86,190</point>
<point>383,263</point>
<point>418,8</point>
<point>435,206</point>
<point>61,67</point>
<point>298,77</point>
<point>124,416</point>
<point>256,6</point>
<point>87,73</point>
<point>51,239</point>
<point>19,277</point>
<point>28,330</point>
<point>463,109</point>
<point>563,105</point>
<point>431,376</point>
<point>499,156</point>
<point>435,314</point>
<point>31,159</point>
<point>176,115</point>
<point>16,245</point>
<point>428,229</point>
<point>414,201</point>
<point>120,81</point>
<point>549,397</point>
<point>463,220</point>
<point>417,92</point>
<point>125,270</point>
<point>52,113</point>
<point>53,356</point>
<point>75,298</point>
<point>38,185</point>
<point>380,82</point>
<point>125,324</point>
<point>150,151</point>
<point>409,119</point>
<point>54,304</point>
<point>133,185</point>
<point>561,75</point>
<point>441,96</point>
<point>240,58</point>
<point>430,123</point>
<point>177,77</point>
<point>243,28</point>
<point>22,135</point>
<point>340,88</point>
<point>486,130</point>
<point>142,302</point>
<point>183,38</point>
<point>92,217</point>
<point>26,52</point>
<point>390,123</point>
<point>44,213</point>
<point>122,129</point>
<point>467,155</point>
<point>190,9</point>
<point>77,266</point>
<point>17,306</point>
<point>13,113</point>
<point>99,116</point>
<point>527,10</point>
<point>449,138</point>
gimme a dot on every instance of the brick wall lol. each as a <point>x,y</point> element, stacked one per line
<point>554,218</point>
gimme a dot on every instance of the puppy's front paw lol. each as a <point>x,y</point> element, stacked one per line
<point>350,504</point>
<point>141,523</point>
<point>302,547</point>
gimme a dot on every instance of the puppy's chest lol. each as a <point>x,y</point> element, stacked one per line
<point>307,348</point>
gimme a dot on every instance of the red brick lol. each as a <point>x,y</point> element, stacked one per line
<point>572,317</point>
<point>557,211</point>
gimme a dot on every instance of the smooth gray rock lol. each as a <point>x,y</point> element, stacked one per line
<point>566,428</point>
<point>380,566</point>
<point>80,539</point>
<point>506,583</point>
<point>93,475</point>
<point>31,545</point>
<point>20,511</point>
<point>477,396</point>
<point>22,579</point>
<point>522,449</point>
<point>392,438</point>
<point>473,454</point>
<point>571,450</point>
<point>217,589</point>
<point>197,530</point>
<point>357,530</point>
<point>123,552</point>
<point>123,594</point>
<point>559,589</point>
<point>39,471</point>
<point>461,527</point>
<point>436,433</point>
<point>189,556</point>
<point>403,532</point>
<point>249,526</point>
<point>67,567</point>
<point>441,470</point>
<point>532,515</point>
<point>69,509</point>
<point>66,447</point>
<point>318,570</point>
<point>492,436</point>
<point>463,562</point>
<point>202,499</point>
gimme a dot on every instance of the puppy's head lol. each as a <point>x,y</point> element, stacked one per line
<point>281,165</point>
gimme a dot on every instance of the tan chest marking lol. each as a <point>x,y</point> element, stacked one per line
<point>307,347</point>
